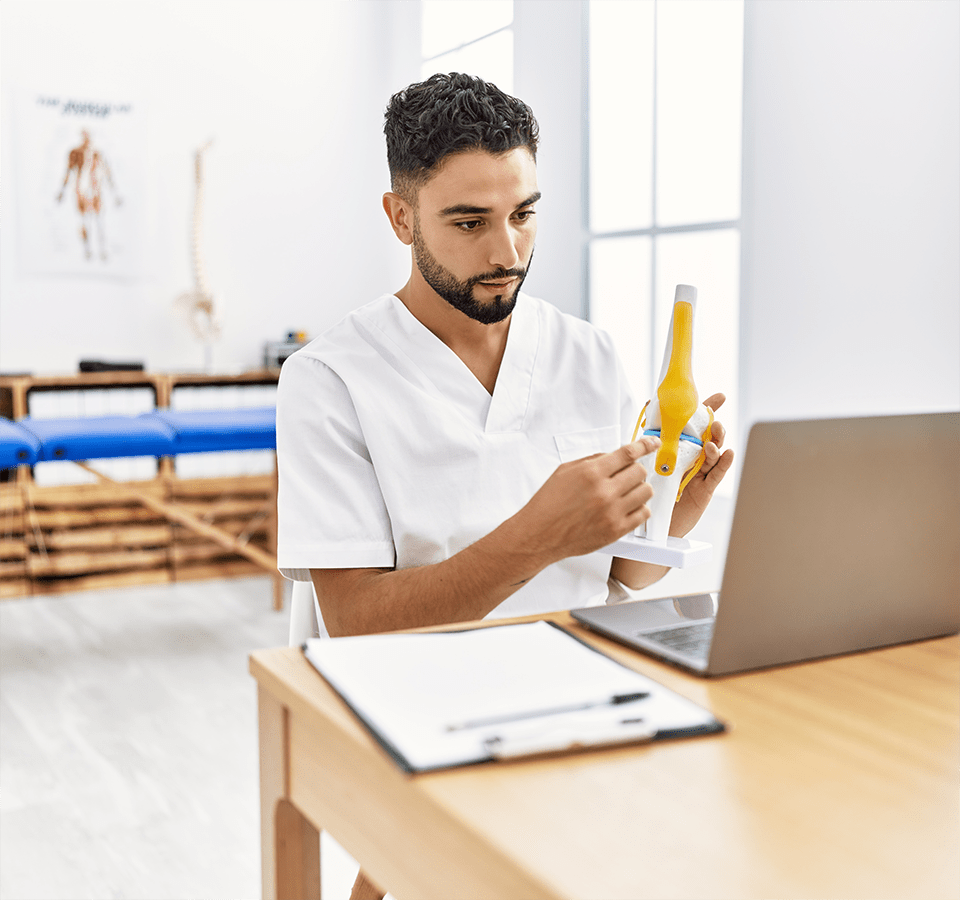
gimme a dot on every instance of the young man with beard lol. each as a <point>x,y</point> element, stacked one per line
<point>459,449</point>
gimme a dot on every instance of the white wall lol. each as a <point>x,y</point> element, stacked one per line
<point>293,95</point>
<point>851,208</point>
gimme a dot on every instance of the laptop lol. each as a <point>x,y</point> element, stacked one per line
<point>845,537</point>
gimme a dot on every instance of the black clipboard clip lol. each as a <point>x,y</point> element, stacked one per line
<point>566,736</point>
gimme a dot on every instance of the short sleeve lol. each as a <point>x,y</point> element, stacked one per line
<point>331,512</point>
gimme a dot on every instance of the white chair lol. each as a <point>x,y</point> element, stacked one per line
<point>305,621</point>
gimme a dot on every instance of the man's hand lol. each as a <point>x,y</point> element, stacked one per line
<point>588,503</point>
<point>686,514</point>
<point>697,494</point>
<point>583,506</point>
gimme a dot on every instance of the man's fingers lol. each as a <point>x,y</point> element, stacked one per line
<point>711,453</point>
<point>717,469</point>
<point>628,454</point>
<point>717,433</point>
<point>639,495</point>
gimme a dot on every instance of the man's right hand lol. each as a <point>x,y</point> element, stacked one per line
<point>589,503</point>
<point>583,506</point>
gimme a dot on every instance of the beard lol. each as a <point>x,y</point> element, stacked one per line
<point>459,294</point>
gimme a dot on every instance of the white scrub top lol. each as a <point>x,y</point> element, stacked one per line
<point>392,454</point>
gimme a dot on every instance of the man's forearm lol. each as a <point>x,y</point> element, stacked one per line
<point>468,585</point>
<point>636,575</point>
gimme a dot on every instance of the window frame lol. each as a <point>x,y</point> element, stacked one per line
<point>590,235</point>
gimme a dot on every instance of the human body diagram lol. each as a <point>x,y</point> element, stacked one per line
<point>87,167</point>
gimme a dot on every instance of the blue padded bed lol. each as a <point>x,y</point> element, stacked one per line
<point>18,446</point>
<point>206,430</point>
<point>160,433</point>
<point>100,437</point>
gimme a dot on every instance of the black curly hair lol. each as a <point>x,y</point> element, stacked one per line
<point>447,114</point>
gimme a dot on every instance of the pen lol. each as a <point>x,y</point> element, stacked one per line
<point>615,700</point>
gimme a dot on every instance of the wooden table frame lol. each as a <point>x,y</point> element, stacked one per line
<point>838,778</point>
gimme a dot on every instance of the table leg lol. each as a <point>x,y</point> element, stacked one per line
<point>278,591</point>
<point>365,889</point>
<point>290,845</point>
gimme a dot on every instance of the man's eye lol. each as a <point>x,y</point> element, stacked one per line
<point>469,226</point>
<point>525,214</point>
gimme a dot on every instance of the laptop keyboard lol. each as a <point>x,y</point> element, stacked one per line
<point>693,640</point>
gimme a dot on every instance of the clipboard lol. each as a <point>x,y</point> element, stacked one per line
<point>454,698</point>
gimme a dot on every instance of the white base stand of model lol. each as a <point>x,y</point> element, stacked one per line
<point>678,553</point>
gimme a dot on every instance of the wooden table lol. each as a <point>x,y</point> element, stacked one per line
<point>837,778</point>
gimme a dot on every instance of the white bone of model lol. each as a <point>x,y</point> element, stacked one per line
<point>674,410</point>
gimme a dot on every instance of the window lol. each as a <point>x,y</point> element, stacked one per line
<point>663,182</point>
<point>472,36</point>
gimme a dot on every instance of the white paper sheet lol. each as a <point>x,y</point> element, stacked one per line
<point>425,695</point>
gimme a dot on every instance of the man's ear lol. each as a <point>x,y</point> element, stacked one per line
<point>400,214</point>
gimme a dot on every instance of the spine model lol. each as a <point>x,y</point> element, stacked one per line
<point>677,417</point>
<point>199,303</point>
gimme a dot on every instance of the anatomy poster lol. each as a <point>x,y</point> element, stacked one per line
<point>80,174</point>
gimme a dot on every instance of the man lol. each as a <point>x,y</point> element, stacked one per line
<point>460,449</point>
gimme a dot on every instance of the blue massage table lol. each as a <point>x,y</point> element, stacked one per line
<point>18,447</point>
<point>160,433</point>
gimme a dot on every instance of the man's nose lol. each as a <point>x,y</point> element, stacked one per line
<point>503,248</point>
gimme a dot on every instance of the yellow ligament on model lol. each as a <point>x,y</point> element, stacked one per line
<point>706,436</point>
<point>677,393</point>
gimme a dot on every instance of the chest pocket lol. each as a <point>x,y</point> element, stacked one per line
<point>578,444</point>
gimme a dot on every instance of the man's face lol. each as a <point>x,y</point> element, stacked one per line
<point>474,231</point>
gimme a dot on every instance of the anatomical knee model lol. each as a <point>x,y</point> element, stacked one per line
<point>677,417</point>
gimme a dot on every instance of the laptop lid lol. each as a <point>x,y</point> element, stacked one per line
<point>845,536</point>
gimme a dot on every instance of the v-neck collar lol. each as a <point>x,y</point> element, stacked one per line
<point>451,377</point>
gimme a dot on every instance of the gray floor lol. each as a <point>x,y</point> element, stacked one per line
<point>128,744</point>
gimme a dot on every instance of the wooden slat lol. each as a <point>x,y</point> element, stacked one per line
<point>108,538</point>
<point>185,553</point>
<point>83,563</point>
<point>224,569</point>
<point>231,484</point>
<point>230,507</point>
<point>13,569</point>
<point>83,495</point>
<point>15,587</point>
<point>87,517</point>
<point>238,526</point>
<point>101,512</point>
<point>13,548</point>
<point>237,568</point>
<point>100,581</point>
<point>11,498</point>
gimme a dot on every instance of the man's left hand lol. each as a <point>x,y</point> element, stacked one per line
<point>699,490</point>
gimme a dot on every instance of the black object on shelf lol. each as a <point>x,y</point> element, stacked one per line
<point>99,365</point>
